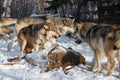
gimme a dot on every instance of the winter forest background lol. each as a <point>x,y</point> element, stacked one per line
<point>107,11</point>
<point>86,10</point>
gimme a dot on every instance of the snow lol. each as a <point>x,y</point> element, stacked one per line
<point>30,72</point>
<point>36,15</point>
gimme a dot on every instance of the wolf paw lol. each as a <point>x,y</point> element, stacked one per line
<point>104,69</point>
<point>90,68</point>
<point>109,73</point>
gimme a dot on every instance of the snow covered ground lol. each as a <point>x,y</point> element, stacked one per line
<point>30,72</point>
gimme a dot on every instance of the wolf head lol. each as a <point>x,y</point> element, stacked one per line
<point>68,26</point>
<point>81,30</point>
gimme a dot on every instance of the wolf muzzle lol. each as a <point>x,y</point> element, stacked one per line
<point>115,48</point>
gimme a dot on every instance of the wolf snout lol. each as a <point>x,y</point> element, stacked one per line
<point>56,36</point>
<point>78,41</point>
<point>115,48</point>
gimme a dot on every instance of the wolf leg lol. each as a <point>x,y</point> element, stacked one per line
<point>11,43</point>
<point>112,62</point>
<point>22,47</point>
<point>119,69</point>
<point>99,60</point>
<point>15,33</point>
<point>94,63</point>
<point>107,66</point>
<point>36,47</point>
<point>118,57</point>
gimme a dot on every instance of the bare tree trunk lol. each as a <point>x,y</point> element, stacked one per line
<point>100,12</point>
<point>22,8</point>
<point>34,11</point>
<point>7,8</point>
<point>1,7</point>
<point>40,6</point>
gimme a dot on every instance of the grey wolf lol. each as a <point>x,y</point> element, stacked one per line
<point>62,24</point>
<point>35,35</point>
<point>24,22</point>
<point>54,25</point>
<point>81,30</point>
<point>60,56</point>
<point>103,39</point>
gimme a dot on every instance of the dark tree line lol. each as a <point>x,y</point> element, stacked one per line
<point>85,10</point>
<point>1,8</point>
<point>65,8</point>
<point>21,8</point>
<point>88,10</point>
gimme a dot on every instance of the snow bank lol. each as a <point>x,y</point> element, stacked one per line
<point>30,72</point>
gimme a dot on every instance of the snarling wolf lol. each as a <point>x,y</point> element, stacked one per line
<point>35,35</point>
<point>52,28</point>
<point>62,24</point>
<point>60,56</point>
<point>24,22</point>
<point>103,39</point>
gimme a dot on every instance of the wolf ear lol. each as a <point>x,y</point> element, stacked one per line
<point>65,21</point>
<point>79,25</point>
<point>73,19</point>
